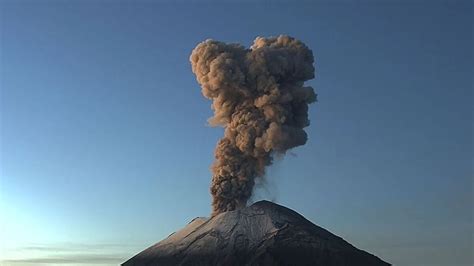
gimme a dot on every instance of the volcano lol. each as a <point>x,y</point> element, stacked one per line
<point>264,233</point>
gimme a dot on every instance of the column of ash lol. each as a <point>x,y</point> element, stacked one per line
<point>258,96</point>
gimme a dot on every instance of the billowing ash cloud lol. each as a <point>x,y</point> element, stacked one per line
<point>258,97</point>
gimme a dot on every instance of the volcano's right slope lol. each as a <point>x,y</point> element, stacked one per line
<point>264,233</point>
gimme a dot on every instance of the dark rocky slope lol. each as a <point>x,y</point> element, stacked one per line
<point>262,234</point>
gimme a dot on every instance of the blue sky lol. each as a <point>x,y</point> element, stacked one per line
<point>105,148</point>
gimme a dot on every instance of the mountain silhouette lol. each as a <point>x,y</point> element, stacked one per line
<point>263,233</point>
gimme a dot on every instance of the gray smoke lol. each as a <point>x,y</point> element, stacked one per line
<point>259,98</point>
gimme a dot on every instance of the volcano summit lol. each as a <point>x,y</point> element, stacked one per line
<point>264,233</point>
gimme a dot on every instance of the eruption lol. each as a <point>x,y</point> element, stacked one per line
<point>258,96</point>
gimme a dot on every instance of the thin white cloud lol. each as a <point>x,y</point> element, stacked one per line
<point>72,254</point>
<point>71,259</point>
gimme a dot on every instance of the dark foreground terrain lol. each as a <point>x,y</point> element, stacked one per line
<point>264,233</point>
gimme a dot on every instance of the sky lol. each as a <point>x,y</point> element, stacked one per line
<point>105,146</point>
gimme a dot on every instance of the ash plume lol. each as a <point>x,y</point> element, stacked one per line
<point>258,96</point>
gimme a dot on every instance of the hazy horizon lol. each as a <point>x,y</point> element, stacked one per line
<point>105,147</point>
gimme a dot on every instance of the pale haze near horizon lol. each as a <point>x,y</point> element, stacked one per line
<point>105,148</point>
